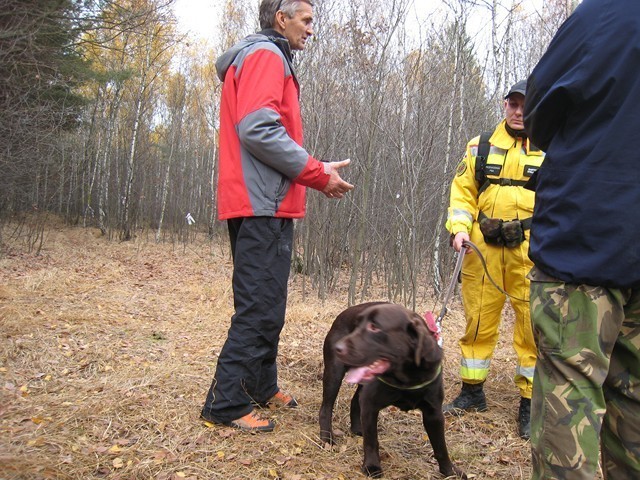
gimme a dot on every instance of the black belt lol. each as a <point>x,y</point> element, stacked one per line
<point>526,223</point>
<point>507,182</point>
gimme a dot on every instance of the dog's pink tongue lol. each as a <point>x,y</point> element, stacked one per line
<point>355,375</point>
<point>368,373</point>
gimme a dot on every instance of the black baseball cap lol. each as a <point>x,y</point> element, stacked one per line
<point>520,87</point>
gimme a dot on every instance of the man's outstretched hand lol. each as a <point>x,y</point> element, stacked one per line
<point>337,187</point>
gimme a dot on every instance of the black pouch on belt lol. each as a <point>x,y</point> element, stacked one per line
<point>491,229</point>
<point>512,233</point>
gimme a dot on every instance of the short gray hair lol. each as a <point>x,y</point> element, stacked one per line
<point>268,9</point>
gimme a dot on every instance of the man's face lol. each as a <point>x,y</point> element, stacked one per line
<point>298,28</point>
<point>513,109</point>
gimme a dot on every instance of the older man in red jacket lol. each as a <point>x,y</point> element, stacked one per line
<point>263,174</point>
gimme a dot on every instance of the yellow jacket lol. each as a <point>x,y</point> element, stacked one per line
<point>509,158</point>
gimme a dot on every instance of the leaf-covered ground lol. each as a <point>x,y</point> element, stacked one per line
<point>107,350</point>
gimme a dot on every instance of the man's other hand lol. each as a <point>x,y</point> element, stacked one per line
<point>337,187</point>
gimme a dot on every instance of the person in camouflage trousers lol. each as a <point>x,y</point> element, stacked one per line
<point>588,364</point>
<point>581,108</point>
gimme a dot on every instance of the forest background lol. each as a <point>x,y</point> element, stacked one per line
<point>109,119</point>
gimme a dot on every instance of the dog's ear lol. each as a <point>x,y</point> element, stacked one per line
<point>424,339</point>
<point>416,323</point>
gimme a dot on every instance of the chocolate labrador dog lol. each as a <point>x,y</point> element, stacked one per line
<point>395,359</point>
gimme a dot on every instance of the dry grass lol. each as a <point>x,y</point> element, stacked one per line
<point>107,351</point>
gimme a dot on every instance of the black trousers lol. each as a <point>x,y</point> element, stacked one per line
<point>246,371</point>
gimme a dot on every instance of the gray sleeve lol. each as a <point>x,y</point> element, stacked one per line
<point>264,136</point>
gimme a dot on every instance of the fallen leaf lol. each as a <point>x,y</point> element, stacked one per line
<point>160,455</point>
<point>226,432</point>
<point>118,462</point>
<point>104,471</point>
<point>115,449</point>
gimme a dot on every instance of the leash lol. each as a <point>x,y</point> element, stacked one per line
<point>474,247</point>
<point>450,288</point>
<point>435,324</point>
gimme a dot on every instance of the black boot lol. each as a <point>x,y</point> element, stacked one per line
<point>471,398</point>
<point>524,418</point>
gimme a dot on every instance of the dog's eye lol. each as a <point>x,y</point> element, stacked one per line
<point>372,327</point>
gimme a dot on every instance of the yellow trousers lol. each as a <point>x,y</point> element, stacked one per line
<point>483,304</point>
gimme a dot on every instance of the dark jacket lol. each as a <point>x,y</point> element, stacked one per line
<point>263,168</point>
<point>583,108</point>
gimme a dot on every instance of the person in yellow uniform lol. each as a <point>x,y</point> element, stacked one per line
<point>490,206</point>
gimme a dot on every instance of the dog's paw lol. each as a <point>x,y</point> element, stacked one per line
<point>460,473</point>
<point>373,471</point>
<point>454,472</point>
<point>327,439</point>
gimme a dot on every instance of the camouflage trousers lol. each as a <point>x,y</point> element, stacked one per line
<point>586,388</point>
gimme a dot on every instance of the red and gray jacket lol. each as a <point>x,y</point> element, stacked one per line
<point>263,169</point>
